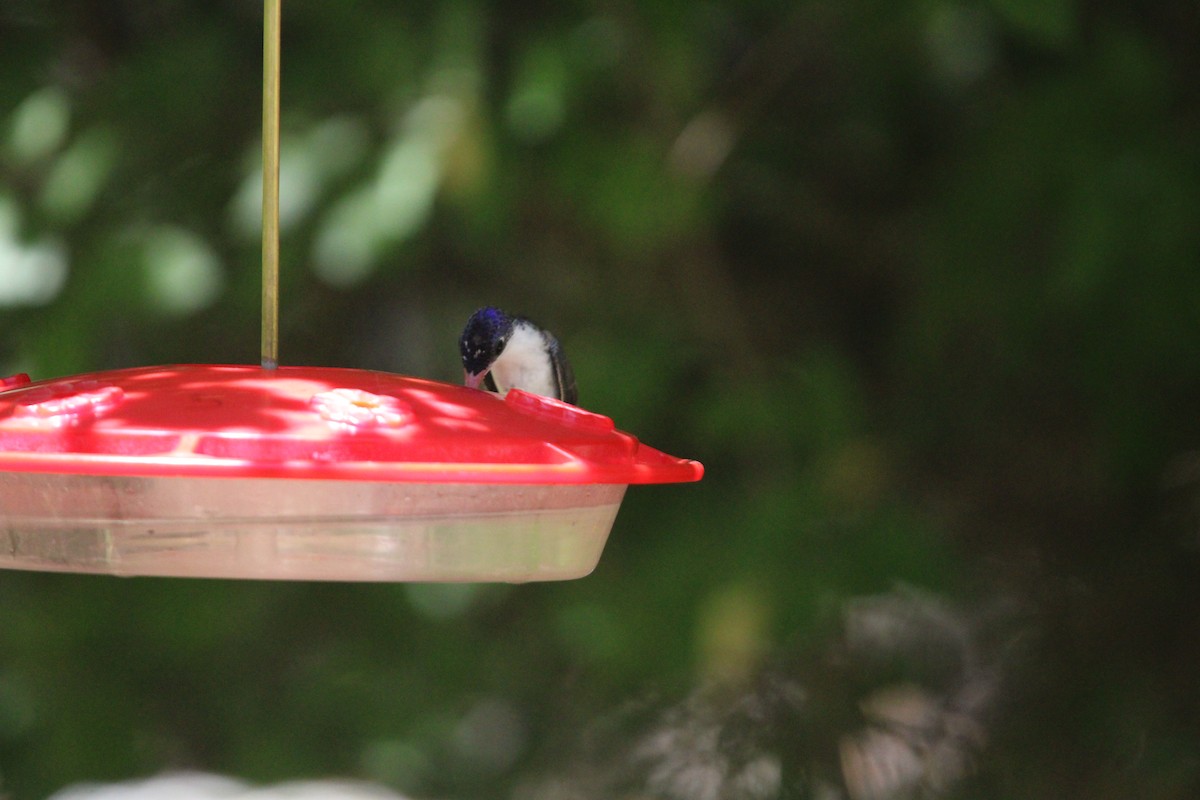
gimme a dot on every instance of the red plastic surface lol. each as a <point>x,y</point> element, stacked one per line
<point>313,422</point>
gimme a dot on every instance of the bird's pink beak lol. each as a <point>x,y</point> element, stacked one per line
<point>474,380</point>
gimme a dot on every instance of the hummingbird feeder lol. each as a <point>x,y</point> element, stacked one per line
<point>306,473</point>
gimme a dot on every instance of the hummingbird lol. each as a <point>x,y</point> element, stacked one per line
<point>504,352</point>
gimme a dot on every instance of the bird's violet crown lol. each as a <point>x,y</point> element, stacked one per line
<point>484,337</point>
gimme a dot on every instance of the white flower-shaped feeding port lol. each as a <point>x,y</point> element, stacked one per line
<point>356,409</point>
<point>69,406</point>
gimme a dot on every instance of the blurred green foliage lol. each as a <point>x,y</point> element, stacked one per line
<point>917,282</point>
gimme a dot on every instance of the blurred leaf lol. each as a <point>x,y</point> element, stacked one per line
<point>182,273</point>
<point>537,106</point>
<point>79,175</point>
<point>628,193</point>
<point>39,125</point>
<point>1048,22</point>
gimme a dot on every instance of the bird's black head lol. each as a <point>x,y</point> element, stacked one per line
<point>487,331</point>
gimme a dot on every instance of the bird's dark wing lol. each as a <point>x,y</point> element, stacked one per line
<point>564,376</point>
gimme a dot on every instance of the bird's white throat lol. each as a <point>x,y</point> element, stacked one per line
<point>525,362</point>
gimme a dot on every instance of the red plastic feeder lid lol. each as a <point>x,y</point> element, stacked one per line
<point>312,422</point>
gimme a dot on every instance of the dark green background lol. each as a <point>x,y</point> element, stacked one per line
<point>917,281</point>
